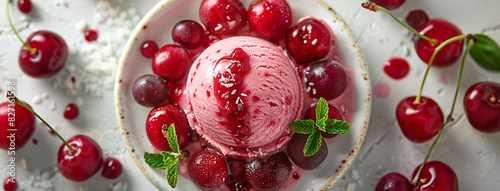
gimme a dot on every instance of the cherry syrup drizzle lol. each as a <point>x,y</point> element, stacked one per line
<point>230,96</point>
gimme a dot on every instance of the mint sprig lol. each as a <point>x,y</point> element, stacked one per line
<point>166,160</point>
<point>313,129</point>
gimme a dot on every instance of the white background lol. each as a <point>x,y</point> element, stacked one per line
<point>473,155</point>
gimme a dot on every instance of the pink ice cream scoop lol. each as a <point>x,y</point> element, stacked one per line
<point>242,94</point>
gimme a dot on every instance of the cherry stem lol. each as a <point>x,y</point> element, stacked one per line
<point>17,101</point>
<point>441,46</point>
<point>32,51</point>
<point>449,117</point>
<point>374,7</point>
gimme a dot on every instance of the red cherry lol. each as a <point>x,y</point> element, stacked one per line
<point>24,6</point>
<point>326,78</point>
<point>396,68</point>
<point>439,30</point>
<point>295,150</point>
<point>270,18</point>
<point>71,111</point>
<point>49,56</point>
<point>188,33</point>
<point>436,176</point>
<point>208,169</point>
<point>309,40</point>
<point>166,115</point>
<point>482,106</point>
<point>269,173</point>
<point>91,35</point>
<point>150,90</point>
<point>10,184</point>
<point>15,117</point>
<point>83,162</point>
<point>149,49</point>
<point>171,62</point>
<point>222,17</point>
<point>389,4</point>
<point>417,18</point>
<point>111,168</point>
<point>393,182</point>
<point>333,113</point>
<point>419,122</point>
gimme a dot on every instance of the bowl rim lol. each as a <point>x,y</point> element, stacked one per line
<point>157,8</point>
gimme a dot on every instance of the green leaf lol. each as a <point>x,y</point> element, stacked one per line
<point>172,139</point>
<point>302,126</point>
<point>486,52</point>
<point>172,173</point>
<point>321,113</point>
<point>313,143</point>
<point>158,161</point>
<point>334,126</point>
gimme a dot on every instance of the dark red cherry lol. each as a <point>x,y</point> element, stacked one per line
<point>10,184</point>
<point>326,78</point>
<point>208,169</point>
<point>417,18</point>
<point>419,122</point>
<point>111,168</point>
<point>269,173</point>
<point>309,40</point>
<point>83,162</point>
<point>295,150</point>
<point>439,30</point>
<point>188,33</point>
<point>165,115</point>
<point>171,62</point>
<point>396,68</point>
<point>150,90</point>
<point>71,111</point>
<point>389,4</point>
<point>393,182</point>
<point>91,35</point>
<point>269,19</point>
<point>222,17</point>
<point>333,113</point>
<point>17,124</point>
<point>436,176</point>
<point>149,49</point>
<point>482,106</point>
<point>49,55</point>
<point>24,6</point>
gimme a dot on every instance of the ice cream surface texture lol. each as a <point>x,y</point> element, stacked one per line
<point>242,94</point>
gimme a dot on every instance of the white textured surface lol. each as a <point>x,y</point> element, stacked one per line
<point>473,155</point>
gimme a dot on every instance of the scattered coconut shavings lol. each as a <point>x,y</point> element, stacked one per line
<point>39,178</point>
<point>119,186</point>
<point>91,67</point>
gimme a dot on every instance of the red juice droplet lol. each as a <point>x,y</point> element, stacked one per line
<point>382,90</point>
<point>396,68</point>
<point>71,111</point>
<point>91,35</point>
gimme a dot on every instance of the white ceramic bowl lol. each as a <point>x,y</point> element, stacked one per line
<point>160,20</point>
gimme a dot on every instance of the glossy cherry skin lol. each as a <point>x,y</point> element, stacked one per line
<point>84,162</point>
<point>111,168</point>
<point>482,106</point>
<point>437,176</point>
<point>269,173</point>
<point>439,30</point>
<point>49,57</point>
<point>295,150</point>
<point>9,184</point>
<point>419,122</point>
<point>326,78</point>
<point>389,4</point>
<point>166,115</point>
<point>222,17</point>
<point>417,18</point>
<point>309,40</point>
<point>149,49</point>
<point>208,169</point>
<point>23,122</point>
<point>71,111</point>
<point>270,19</point>
<point>24,6</point>
<point>188,33</point>
<point>393,182</point>
<point>171,62</point>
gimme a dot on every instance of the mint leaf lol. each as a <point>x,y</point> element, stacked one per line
<point>313,143</point>
<point>302,126</point>
<point>334,126</point>
<point>172,139</point>
<point>321,113</point>
<point>158,161</point>
<point>172,173</point>
<point>486,52</point>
